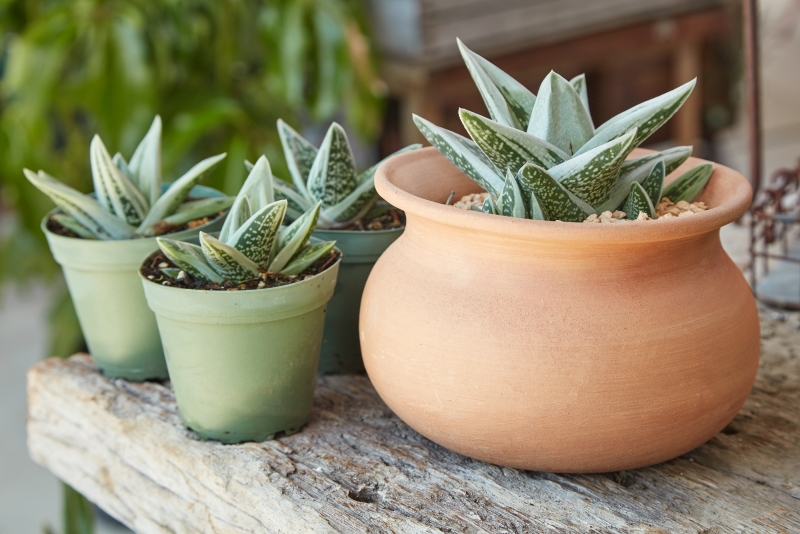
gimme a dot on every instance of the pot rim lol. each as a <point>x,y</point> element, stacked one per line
<point>360,232</point>
<point>737,194</point>
<point>238,291</point>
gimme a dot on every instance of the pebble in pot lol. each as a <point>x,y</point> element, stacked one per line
<point>100,240</point>
<point>348,215</point>
<point>241,316</point>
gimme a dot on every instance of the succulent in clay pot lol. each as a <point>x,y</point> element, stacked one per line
<point>522,339</point>
<point>241,316</point>
<point>100,240</point>
<point>541,157</point>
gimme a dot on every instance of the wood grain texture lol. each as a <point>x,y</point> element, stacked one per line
<point>357,468</point>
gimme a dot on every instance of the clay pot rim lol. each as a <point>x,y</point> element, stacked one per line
<point>737,196</point>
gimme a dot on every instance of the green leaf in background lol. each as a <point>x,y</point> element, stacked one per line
<point>333,174</point>
<point>115,191</point>
<point>688,185</point>
<point>299,154</point>
<point>145,164</point>
<point>77,512</point>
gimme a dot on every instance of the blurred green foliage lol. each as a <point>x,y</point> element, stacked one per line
<point>219,72</point>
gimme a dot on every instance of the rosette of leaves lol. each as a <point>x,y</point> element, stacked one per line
<point>129,201</point>
<point>326,175</point>
<point>252,240</point>
<point>541,157</point>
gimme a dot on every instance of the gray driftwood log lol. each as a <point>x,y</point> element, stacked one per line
<point>357,468</point>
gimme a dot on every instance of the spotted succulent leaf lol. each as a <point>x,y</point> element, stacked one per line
<point>636,170</point>
<point>145,164</point>
<point>591,175</point>
<point>646,117</point>
<point>169,202</point>
<point>559,116</point>
<point>464,154</point>
<point>294,237</point>
<point>655,181</point>
<point>510,202</point>
<point>555,200</point>
<point>307,256</point>
<point>688,185</point>
<point>638,201</point>
<point>256,238</point>
<point>299,154</point>
<point>333,174</point>
<point>535,210</point>
<point>256,192</point>
<point>509,148</point>
<point>228,262</point>
<point>489,206</point>
<point>508,101</point>
<point>114,191</point>
<point>84,209</point>
<point>189,258</point>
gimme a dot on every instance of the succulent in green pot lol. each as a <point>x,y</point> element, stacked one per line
<point>100,240</point>
<point>241,315</point>
<point>349,214</point>
<point>541,157</point>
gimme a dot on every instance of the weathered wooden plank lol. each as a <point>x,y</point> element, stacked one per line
<point>358,468</point>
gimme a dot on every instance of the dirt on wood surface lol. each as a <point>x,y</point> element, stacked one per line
<point>157,261</point>
<point>387,220</point>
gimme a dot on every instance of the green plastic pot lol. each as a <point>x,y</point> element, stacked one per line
<point>341,348</point>
<point>103,281</point>
<point>243,364</point>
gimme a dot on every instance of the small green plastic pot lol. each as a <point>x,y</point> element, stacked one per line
<point>341,348</point>
<point>103,281</point>
<point>243,364</point>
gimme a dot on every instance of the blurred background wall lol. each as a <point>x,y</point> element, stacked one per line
<point>220,73</point>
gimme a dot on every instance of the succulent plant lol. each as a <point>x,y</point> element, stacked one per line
<point>252,240</point>
<point>129,202</point>
<point>540,156</point>
<point>327,176</point>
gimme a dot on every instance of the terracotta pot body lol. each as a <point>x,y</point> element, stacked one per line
<point>103,281</point>
<point>555,346</point>
<point>341,350</point>
<point>243,364</point>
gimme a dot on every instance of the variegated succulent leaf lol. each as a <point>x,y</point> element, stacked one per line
<point>282,190</point>
<point>638,201</point>
<point>226,261</point>
<point>86,210</point>
<point>489,206</point>
<point>189,211</point>
<point>636,170</point>
<point>71,223</point>
<point>352,208</point>
<point>510,202</point>
<point>508,101</point>
<point>507,147</point>
<point>556,201</point>
<point>171,272</point>
<point>655,181</point>
<point>535,210</point>
<point>307,256</point>
<point>579,83</point>
<point>114,191</point>
<point>294,237</point>
<point>189,258</point>
<point>646,117</point>
<point>145,163</point>
<point>591,175</point>
<point>299,154</point>
<point>559,116</point>
<point>333,174</point>
<point>464,154</point>
<point>688,185</point>
<point>257,237</point>
<point>256,192</point>
<point>173,197</point>
<point>122,165</point>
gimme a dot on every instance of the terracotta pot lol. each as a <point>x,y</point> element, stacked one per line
<point>557,346</point>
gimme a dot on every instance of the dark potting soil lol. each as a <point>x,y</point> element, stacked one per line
<point>156,261</point>
<point>387,220</point>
